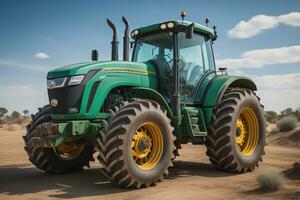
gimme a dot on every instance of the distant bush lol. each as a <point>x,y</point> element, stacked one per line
<point>3,111</point>
<point>21,120</point>
<point>287,124</point>
<point>271,116</point>
<point>269,180</point>
<point>15,115</point>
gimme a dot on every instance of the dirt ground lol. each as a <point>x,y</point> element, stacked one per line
<point>191,178</point>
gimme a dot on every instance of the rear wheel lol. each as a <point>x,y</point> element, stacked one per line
<point>236,137</point>
<point>137,144</point>
<point>69,156</point>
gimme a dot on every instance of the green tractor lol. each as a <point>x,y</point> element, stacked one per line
<point>136,114</point>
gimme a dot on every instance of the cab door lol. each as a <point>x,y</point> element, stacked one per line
<point>195,61</point>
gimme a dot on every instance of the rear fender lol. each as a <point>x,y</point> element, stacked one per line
<point>217,89</point>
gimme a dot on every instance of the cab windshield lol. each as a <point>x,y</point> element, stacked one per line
<point>154,46</point>
<point>157,49</point>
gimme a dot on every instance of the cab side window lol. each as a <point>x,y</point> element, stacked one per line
<point>194,62</point>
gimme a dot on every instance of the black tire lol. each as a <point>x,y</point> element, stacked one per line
<point>222,148</point>
<point>45,158</point>
<point>114,145</point>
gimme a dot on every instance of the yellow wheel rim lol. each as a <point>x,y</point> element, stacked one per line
<point>247,131</point>
<point>147,146</point>
<point>69,150</point>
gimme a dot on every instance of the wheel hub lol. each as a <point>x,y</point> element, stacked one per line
<point>143,145</point>
<point>240,132</point>
<point>147,145</point>
<point>247,131</point>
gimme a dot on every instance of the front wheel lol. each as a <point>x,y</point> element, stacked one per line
<point>69,156</point>
<point>137,144</point>
<point>236,135</point>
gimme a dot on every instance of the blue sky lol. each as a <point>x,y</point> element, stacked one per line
<point>36,36</point>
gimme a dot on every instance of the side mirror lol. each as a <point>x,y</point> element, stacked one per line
<point>223,70</point>
<point>215,34</point>
<point>190,31</point>
<point>94,55</point>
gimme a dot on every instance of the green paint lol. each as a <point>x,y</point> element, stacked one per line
<point>219,84</point>
<point>83,68</point>
<point>147,93</point>
<point>193,124</point>
<point>110,75</point>
<point>76,129</point>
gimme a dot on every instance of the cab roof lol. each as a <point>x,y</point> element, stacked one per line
<point>156,27</point>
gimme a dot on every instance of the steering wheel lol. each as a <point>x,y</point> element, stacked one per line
<point>169,58</point>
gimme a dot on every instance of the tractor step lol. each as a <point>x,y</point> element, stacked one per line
<point>193,116</point>
<point>197,132</point>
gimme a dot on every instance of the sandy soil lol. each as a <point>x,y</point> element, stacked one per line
<point>191,178</point>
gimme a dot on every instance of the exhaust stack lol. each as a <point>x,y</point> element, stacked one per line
<point>114,42</point>
<point>126,40</point>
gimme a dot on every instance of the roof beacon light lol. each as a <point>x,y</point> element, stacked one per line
<point>183,15</point>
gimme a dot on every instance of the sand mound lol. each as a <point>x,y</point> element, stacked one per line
<point>294,172</point>
<point>295,136</point>
<point>13,127</point>
<point>290,138</point>
<point>272,129</point>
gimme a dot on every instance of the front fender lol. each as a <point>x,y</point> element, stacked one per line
<point>147,93</point>
<point>217,88</point>
<point>105,86</point>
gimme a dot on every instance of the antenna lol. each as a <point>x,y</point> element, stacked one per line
<point>215,33</point>
<point>183,15</point>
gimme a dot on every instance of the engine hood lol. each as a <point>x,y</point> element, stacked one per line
<point>84,68</point>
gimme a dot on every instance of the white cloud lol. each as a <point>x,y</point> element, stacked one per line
<point>9,63</point>
<point>41,55</point>
<point>260,23</point>
<point>275,56</point>
<point>277,92</point>
<point>291,19</point>
<point>278,82</point>
<point>236,63</point>
<point>262,57</point>
<point>278,100</point>
<point>254,26</point>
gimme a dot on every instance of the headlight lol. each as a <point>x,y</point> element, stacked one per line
<point>76,80</point>
<point>56,83</point>
<point>170,25</point>
<point>135,33</point>
<point>167,25</point>
<point>163,26</point>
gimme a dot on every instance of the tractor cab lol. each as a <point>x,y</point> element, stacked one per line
<point>167,45</point>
